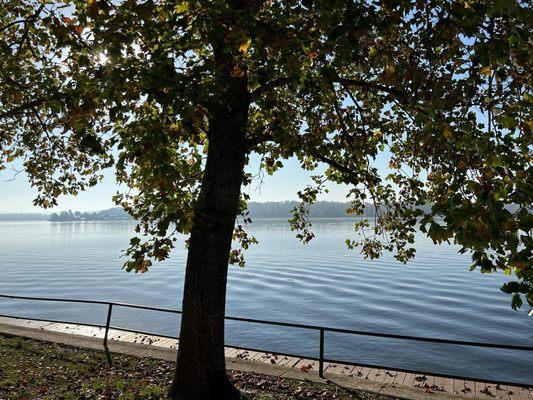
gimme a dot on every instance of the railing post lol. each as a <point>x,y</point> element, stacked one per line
<point>321,355</point>
<point>107,324</point>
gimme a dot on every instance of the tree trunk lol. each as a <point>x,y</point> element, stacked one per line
<point>201,371</point>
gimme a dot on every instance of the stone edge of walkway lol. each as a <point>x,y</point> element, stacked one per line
<point>143,350</point>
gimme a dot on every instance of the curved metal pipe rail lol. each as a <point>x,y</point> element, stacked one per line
<point>321,329</point>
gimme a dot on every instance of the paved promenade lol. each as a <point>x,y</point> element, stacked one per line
<point>387,382</point>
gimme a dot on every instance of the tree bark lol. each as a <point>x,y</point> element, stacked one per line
<point>201,371</point>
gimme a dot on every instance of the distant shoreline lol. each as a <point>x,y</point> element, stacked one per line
<point>47,219</point>
<point>257,210</point>
<point>281,209</point>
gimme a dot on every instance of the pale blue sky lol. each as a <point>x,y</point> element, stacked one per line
<point>17,195</point>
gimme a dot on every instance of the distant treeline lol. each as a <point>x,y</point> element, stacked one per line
<point>111,214</point>
<point>282,209</point>
<point>271,209</point>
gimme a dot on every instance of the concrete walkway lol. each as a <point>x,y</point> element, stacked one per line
<point>387,382</point>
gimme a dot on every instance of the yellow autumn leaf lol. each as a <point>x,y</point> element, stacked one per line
<point>182,7</point>
<point>447,132</point>
<point>245,46</point>
<point>485,71</point>
<point>389,70</point>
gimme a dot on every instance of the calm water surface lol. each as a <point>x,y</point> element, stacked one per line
<point>322,283</point>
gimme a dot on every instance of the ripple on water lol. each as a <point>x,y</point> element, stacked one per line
<point>322,283</point>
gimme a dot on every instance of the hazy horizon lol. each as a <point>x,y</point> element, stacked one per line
<point>41,211</point>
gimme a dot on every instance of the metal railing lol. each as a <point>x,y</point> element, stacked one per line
<point>321,329</point>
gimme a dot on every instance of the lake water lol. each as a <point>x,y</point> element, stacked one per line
<point>322,283</point>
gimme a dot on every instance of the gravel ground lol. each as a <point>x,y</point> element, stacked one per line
<point>35,370</point>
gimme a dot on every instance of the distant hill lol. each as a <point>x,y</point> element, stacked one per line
<point>281,209</point>
<point>271,209</point>
<point>112,214</point>
<point>277,209</point>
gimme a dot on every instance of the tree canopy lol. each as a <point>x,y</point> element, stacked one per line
<point>443,88</point>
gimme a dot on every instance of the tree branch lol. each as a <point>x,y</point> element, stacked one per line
<point>22,108</point>
<point>356,175</point>
<point>370,85</point>
<point>30,105</point>
<point>270,85</point>
<point>30,18</point>
<point>333,163</point>
<point>343,81</point>
<point>13,23</point>
<point>259,138</point>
